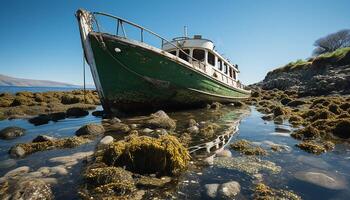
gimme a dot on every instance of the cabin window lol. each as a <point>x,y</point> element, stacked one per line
<point>220,64</point>
<point>231,75</point>
<point>211,59</point>
<point>199,54</point>
<point>173,52</point>
<point>183,56</point>
<point>226,68</point>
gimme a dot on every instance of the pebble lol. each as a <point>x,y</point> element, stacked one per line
<point>147,130</point>
<point>212,189</point>
<point>193,130</point>
<point>223,153</point>
<point>229,189</point>
<point>106,140</point>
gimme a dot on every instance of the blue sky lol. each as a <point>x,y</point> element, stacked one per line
<point>40,38</point>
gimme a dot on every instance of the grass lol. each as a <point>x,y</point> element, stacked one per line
<point>304,64</point>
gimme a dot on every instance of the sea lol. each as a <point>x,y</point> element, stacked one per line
<point>310,176</point>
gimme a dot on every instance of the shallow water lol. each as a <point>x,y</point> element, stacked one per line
<point>192,183</point>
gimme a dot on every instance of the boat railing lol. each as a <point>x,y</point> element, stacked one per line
<point>120,25</point>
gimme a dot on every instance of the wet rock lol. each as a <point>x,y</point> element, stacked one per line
<point>248,164</point>
<point>118,128</point>
<point>44,138</point>
<point>311,147</point>
<point>90,129</point>
<point>193,130</point>
<point>212,190</point>
<point>20,150</point>
<point>296,103</point>
<point>40,120</point>
<point>68,160</point>
<point>268,117</point>
<point>57,116</point>
<point>160,120</point>
<point>322,179</point>
<point>215,106</point>
<point>277,111</point>
<point>208,130</point>
<point>106,140</point>
<point>263,191</point>
<point>342,129</point>
<point>223,153</point>
<point>295,120</point>
<point>308,132</point>
<point>98,113</point>
<point>313,161</point>
<point>192,122</point>
<point>17,172</point>
<point>151,182</point>
<point>146,155</point>
<point>34,189</point>
<point>7,163</point>
<point>11,132</point>
<point>76,112</point>
<point>278,120</point>
<point>229,190</point>
<point>247,148</point>
<point>109,180</point>
<point>147,130</point>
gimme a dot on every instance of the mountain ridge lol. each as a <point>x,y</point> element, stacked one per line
<point>13,81</point>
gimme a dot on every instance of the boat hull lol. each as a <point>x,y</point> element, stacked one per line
<point>136,77</point>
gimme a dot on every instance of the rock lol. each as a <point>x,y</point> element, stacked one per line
<point>34,189</point>
<point>76,112</point>
<point>17,172</point>
<point>118,128</point>
<point>193,130</point>
<point>17,151</point>
<point>40,120</point>
<point>44,138</point>
<point>342,129</point>
<point>60,170</point>
<point>11,132</point>
<point>215,106</point>
<point>211,190</point>
<point>223,153</point>
<point>208,130</point>
<point>268,117</point>
<point>152,182</point>
<point>229,190</point>
<point>192,122</point>
<point>160,120</point>
<point>308,132</point>
<point>98,113</point>
<point>90,129</point>
<point>164,155</point>
<point>147,130</point>
<point>57,116</point>
<point>247,148</point>
<point>133,126</point>
<point>7,163</point>
<point>106,140</point>
<point>209,160</point>
<point>322,179</point>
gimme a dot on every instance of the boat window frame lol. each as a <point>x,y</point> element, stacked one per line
<point>194,55</point>
<point>210,54</point>
<point>185,56</point>
<point>173,51</point>
<point>219,64</point>
<point>226,68</point>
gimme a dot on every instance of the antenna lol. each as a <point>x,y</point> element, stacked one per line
<point>185,31</point>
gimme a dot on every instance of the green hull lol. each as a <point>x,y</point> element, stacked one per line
<point>141,78</point>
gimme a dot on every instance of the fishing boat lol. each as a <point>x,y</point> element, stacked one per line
<point>132,75</point>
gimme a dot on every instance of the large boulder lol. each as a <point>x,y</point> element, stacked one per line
<point>77,112</point>
<point>11,132</point>
<point>40,119</point>
<point>160,120</point>
<point>146,155</point>
<point>90,129</point>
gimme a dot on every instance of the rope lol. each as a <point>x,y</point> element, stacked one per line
<point>84,78</point>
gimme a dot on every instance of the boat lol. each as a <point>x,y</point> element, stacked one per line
<point>132,75</point>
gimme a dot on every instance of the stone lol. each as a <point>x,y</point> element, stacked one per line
<point>40,120</point>
<point>90,129</point>
<point>229,190</point>
<point>17,151</point>
<point>118,128</point>
<point>34,189</point>
<point>44,138</point>
<point>147,130</point>
<point>76,112</point>
<point>7,163</point>
<point>322,179</point>
<point>11,132</point>
<point>57,116</point>
<point>193,130</point>
<point>212,189</point>
<point>106,140</point>
<point>223,153</point>
<point>17,171</point>
<point>160,120</point>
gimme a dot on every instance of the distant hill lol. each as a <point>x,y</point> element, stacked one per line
<point>11,81</point>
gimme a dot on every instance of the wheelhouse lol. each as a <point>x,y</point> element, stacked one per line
<point>200,54</point>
